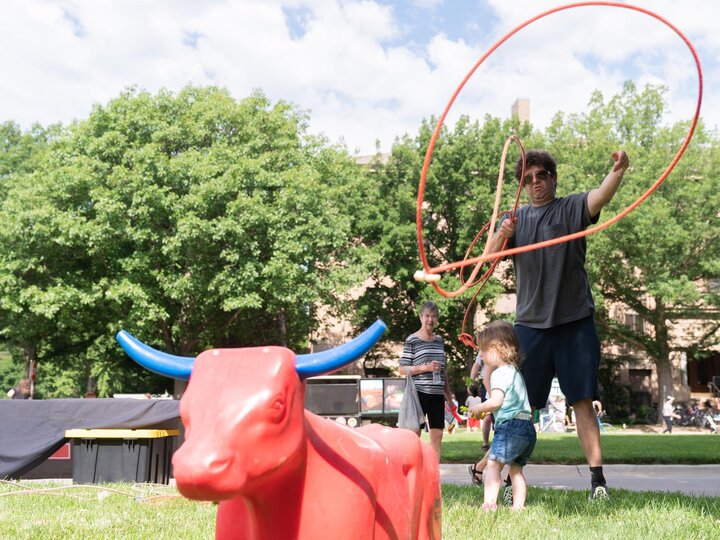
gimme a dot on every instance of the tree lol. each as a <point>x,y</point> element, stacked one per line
<point>459,196</point>
<point>191,220</point>
<point>667,250</point>
<point>20,151</point>
<point>662,259</point>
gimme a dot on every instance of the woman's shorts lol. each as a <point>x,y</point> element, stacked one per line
<point>514,442</point>
<point>433,405</point>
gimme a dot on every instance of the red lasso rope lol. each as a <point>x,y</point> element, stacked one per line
<point>432,272</point>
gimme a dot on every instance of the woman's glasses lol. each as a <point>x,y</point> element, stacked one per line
<point>540,175</point>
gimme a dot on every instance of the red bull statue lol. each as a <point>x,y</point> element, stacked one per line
<point>280,471</point>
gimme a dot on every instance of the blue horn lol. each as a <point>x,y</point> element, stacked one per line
<point>306,365</point>
<point>311,365</point>
<point>177,367</point>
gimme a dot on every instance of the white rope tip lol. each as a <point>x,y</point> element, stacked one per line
<point>421,275</point>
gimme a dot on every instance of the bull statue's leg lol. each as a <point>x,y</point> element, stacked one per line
<point>410,489</point>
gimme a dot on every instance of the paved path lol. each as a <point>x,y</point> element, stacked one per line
<point>687,479</point>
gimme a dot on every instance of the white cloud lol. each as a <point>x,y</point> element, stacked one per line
<point>355,65</point>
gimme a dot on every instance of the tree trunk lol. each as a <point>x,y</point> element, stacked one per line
<point>282,328</point>
<point>29,356</point>
<point>91,385</point>
<point>662,363</point>
<point>665,380</point>
<point>179,388</point>
<point>29,366</point>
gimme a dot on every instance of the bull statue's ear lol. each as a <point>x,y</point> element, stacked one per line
<point>177,367</point>
<point>320,363</point>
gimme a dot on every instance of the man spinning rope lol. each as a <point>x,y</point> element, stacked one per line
<point>554,320</point>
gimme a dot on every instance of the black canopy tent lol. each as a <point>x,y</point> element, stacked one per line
<point>32,430</point>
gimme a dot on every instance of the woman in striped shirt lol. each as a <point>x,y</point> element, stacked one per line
<point>423,357</point>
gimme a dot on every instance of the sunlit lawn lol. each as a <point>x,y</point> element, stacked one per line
<point>135,512</point>
<point>148,511</point>
<point>120,511</point>
<point>559,514</point>
<point>617,448</point>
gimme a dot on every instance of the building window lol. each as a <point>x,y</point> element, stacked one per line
<point>640,387</point>
<point>635,322</point>
<point>640,380</point>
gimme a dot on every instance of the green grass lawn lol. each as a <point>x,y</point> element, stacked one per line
<point>139,512</point>
<point>564,448</point>
<point>150,511</point>
<point>559,514</point>
<point>87,512</point>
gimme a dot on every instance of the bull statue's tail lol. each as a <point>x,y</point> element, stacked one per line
<point>307,365</point>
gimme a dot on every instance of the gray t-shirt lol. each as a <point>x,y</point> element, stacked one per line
<point>552,284</point>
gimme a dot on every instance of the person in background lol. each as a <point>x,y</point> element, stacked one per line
<point>423,357</point>
<point>21,391</point>
<point>668,413</point>
<point>452,418</point>
<point>473,424</point>
<point>599,413</point>
<point>710,416</point>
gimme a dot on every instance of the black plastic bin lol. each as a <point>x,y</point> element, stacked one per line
<point>121,455</point>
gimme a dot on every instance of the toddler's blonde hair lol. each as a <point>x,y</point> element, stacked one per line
<point>501,336</point>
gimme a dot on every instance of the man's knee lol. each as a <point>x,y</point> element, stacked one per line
<point>583,405</point>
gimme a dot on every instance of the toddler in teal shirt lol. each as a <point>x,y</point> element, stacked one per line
<point>515,436</point>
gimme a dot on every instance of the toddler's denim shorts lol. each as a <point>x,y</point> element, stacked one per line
<point>514,442</point>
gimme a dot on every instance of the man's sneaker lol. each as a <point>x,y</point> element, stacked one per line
<point>599,493</point>
<point>508,496</point>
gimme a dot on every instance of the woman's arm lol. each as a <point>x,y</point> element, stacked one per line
<point>415,370</point>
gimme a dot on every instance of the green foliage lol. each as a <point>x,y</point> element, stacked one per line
<point>459,197</point>
<point>615,394</point>
<point>659,259</point>
<point>194,220</point>
<point>10,373</point>
<point>667,250</point>
<point>191,220</point>
<point>20,152</point>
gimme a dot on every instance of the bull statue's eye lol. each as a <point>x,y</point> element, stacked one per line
<point>277,409</point>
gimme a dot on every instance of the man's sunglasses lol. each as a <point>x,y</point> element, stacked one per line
<point>540,175</point>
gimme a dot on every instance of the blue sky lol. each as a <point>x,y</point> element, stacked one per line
<point>364,70</point>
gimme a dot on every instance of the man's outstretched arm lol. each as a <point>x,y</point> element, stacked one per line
<point>600,196</point>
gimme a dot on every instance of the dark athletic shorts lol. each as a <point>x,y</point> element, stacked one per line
<point>433,405</point>
<point>571,351</point>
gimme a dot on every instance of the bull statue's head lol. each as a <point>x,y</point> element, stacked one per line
<point>243,410</point>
